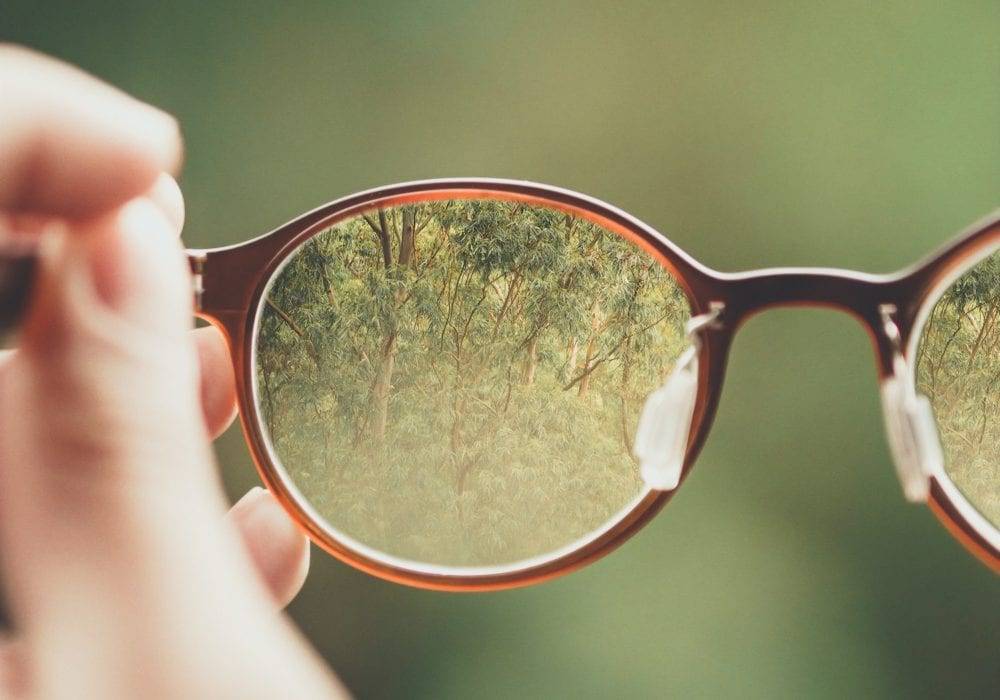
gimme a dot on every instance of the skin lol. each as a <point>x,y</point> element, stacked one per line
<point>123,573</point>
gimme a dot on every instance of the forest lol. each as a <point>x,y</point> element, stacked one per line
<point>458,382</point>
<point>958,368</point>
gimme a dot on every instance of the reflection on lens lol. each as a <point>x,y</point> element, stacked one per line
<point>457,383</point>
<point>958,368</point>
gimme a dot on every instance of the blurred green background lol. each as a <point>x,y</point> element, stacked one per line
<point>752,134</point>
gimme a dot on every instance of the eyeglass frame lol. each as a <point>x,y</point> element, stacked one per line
<point>231,283</point>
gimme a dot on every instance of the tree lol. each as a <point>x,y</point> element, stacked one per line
<point>958,367</point>
<point>415,365</point>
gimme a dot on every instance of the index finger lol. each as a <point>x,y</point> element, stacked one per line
<point>71,145</point>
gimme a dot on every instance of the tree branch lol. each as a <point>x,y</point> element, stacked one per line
<point>290,322</point>
<point>383,236</point>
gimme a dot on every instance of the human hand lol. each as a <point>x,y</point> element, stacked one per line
<point>123,576</point>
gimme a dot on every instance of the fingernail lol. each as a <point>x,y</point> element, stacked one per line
<point>160,130</point>
<point>250,500</point>
<point>166,194</point>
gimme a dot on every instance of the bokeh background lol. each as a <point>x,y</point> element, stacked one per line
<point>752,134</point>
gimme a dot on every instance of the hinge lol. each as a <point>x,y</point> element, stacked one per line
<point>197,259</point>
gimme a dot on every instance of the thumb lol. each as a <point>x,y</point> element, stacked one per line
<point>105,353</point>
<point>109,504</point>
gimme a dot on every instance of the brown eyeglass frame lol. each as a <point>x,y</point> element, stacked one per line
<point>230,283</point>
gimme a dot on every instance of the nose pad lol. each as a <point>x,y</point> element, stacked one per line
<point>912,432</point>
<point>665,423</point>
<point>661,437</point>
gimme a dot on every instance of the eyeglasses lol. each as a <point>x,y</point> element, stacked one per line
<point>479,384</point>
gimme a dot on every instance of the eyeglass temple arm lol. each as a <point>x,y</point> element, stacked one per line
<point>197,259</point>
<point>19,267</point>
<point>17,275</point>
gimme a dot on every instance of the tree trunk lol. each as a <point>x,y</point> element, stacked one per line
<point>571,352</point>
<point>584,385</point>
<point>530,363</point>
<point>626,399</point>
<point>458,408</point>
<point>595,316</point>
<point>988,318</point>
<point>383,383</point>
<point>406,241</point>
<point>588,359</point>
<point>320,261</point>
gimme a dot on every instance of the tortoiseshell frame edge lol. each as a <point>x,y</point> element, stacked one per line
<point>234,278</point>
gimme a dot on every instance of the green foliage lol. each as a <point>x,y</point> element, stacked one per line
<point>458,382</point>
<point>958,367</point>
